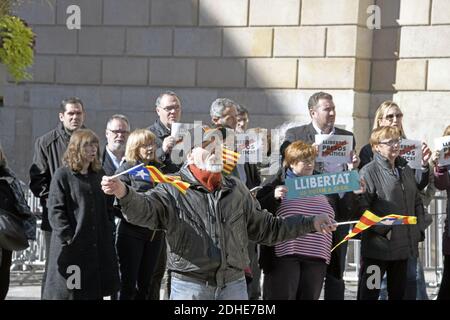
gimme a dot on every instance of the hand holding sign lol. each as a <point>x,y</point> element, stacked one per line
<point>443,146</point>
<point>426,154</point>
<point>411,151</point>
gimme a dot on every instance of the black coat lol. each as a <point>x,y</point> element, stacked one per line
<point>161,132</point>
<point>48,153</point>
<point>82,236</point>
<point>110,169</point>
<point>386,194</point>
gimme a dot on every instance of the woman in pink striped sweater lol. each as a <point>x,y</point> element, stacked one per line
<point>295,269</point>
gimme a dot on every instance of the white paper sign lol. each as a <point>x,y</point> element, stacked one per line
<point>411,151</point>
<point>334,148</point>
<point>250,146</point>
<point>443,145</point>
<point>178,130</point>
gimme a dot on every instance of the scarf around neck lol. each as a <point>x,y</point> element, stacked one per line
<point>209,180</point>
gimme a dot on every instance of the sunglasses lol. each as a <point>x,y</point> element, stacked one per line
<point>392,143</point>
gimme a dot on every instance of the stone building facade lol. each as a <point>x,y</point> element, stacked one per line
<point>269,55</point>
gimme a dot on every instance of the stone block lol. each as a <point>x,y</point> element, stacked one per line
<point>440,13</point>
<point>315,73</point>
<point>125,71</point>
<point>247,42</point>
<point>102,41</point>
<point>139,98</point>
<point>383,75</point>
<point>221,73</point>
<point>126,13</point>
<point>389,11</point>
<point>172,72</point>
<point>43,69</point>
<point>274,12</point>
<point>43,96</point>
<point>15,96</point>
<point>36,12</point>
<point>91,12</point>
<point>299,42</point>
<point>362,76</point>
<point>349,41</point>
<point>411,74</point>
<point>439,74</point>
<point>202,42</point>
<point>174,12</point>
<point>326,12</point>
<point>196,103</point>
<point>385,43</point>
<point>424,42</point>
<point>149,41</point>
<point>78,70</point>
<point>271,73</point>
<point>414,12</point>
<point>97,98</point>
<point>223,13</point>
<point>55,40</point>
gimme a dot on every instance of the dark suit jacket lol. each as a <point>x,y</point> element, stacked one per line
<point>344,208</point>
<point>110,169</point>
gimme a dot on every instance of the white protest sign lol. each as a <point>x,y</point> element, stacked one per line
<point>334,148</point>
<point>443,145</point>
<point>411,151</point>
<point>250,146</point>
<point>178,130</point>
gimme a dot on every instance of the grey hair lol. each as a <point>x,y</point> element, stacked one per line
<point>219,105</point>
<point>118,116</point>
<point>241,109</point>
<point>165,93</point>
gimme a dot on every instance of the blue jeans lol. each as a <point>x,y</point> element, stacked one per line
<point>187,290</point>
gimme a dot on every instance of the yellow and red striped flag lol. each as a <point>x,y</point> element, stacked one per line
<point>230,159</point>
<point>159,177</point>
<point>369,219</point>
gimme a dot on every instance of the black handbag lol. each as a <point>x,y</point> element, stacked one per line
<point>12,232</point>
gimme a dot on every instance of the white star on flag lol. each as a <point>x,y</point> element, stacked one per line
<point>142,174</point>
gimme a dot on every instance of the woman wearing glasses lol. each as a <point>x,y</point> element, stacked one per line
<point>295,269</point>
<point>390,189</point>
<point>138,248</point>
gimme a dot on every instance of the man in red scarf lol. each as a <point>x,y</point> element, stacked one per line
<point>209,226</point>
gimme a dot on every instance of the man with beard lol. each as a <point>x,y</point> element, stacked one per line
<point>208,226</point>
<point>48,154</point>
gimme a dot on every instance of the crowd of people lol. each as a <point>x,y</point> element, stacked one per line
<point>110,232</point>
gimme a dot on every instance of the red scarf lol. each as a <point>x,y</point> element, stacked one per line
<point>209,180</point>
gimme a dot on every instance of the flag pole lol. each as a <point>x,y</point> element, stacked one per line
<point>126,171</point>
<point>346,222</point>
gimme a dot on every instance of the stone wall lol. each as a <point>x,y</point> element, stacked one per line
<point>269,55</point>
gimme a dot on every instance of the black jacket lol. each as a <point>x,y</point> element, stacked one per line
<point>110,169</point>
<point>208,232</point>
<point>161,132</point>
<point>386,194</point>
<point>140,186</point>
<point>82,236</point>
<point>48,153</point>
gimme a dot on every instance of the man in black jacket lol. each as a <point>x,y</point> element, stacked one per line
<point>208,226</point>
<point>168,108</point>
<point>48,153</point>
<point>117,132</point>
<point>323,115</point>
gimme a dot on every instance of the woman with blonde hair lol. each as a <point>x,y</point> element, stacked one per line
<point>82,260</point>
<point>442,182</point>
<point>295,269</point>
<point>138,248</point>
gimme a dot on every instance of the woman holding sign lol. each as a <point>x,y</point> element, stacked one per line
<point>391,189</point>
<point>295,269</point>
<point>442,182</point>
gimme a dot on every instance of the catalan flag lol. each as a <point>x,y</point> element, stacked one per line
<point>151,173</point>
<point>230,159</point>
<point>369,219</point>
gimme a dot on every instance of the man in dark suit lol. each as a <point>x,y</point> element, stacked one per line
<point>323,115</point>
<point>117,132</point>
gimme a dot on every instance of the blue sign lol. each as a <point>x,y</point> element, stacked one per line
<point>326,183</point>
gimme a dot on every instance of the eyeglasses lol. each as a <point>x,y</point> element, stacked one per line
<point>391,116</point>
<point>392,143</point>
<point>171,108</point>
<point>308,161</point>
<point>116,132</point>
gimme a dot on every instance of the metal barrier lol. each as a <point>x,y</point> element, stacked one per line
<point>29,263</point>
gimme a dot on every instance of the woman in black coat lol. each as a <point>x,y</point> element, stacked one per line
<point>138,248</point>
<point>12,202</point>
<point>82,259</point>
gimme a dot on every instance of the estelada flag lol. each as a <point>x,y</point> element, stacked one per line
<point>230,159</point>
<point>151,173</point>
<point>369,219</point>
